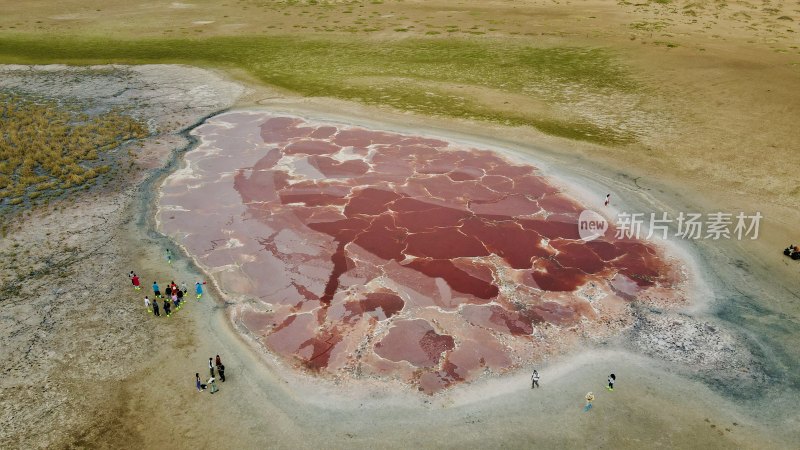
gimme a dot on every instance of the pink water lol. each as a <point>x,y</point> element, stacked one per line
<point>362,252</point>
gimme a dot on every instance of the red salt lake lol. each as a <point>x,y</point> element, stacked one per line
<point>353,251</point>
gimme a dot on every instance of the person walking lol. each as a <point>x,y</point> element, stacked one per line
<point>168,291</point>
<point>198,383</point>
<point>184,288</point>
<point>169,256</point>
<point>175,300</point>
<point>535,379</point>
<point>589,399</point>
<point>147,304</point>
<point>156,290</point>
<point>608,200</point>
<point>611,380</point>
<point>166,307</point>
<point>213,384</point>
<point>221,371</point>
<point>218,361</point>
<point>180,296</point>
<point>155,308</point>
<point>198,288</point>
<point>211,366</point>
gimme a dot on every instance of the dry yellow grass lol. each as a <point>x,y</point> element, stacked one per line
<point>52,148</point>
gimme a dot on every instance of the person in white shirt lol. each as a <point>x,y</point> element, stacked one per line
<point>147,303</point>
<point>535,379</point>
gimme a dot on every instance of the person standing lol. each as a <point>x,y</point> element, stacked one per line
<point>184,288</point>
<point>218,361</point>
<point>198,288</point>
<point>213,385</point>
<point>221,371</point>
<point>535,379</point>
<point>134,280</point>
<point>147,304</point>
<point>156,290</point>
<point>168,291</point>
<point>611,380</point>
<point>155,308</point>
<point>589,399</point>
<point>198,383</point>
<point>180,296</point>
<point>211,366</point>
<point>166,307</point>
<point>175,299</point>
<point>608,199</point>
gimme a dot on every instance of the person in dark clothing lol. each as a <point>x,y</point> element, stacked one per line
<point>166,306</point>
<point>155,308</point>
<point>221,370</point>
<point>198,383</point>
<point>180,296</point>
<point>168,291</point>
<point>611,380</point>
<point>218,362</point>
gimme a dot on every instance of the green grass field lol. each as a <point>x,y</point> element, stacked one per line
<point>416,74</point>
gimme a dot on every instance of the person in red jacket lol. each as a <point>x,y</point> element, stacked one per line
<point>135,282</point>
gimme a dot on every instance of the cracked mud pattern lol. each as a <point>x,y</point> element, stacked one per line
<point>354,251</point>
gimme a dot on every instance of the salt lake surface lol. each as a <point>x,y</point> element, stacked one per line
<point>356,252</point>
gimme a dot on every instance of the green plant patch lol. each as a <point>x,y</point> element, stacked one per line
<point>331,67</point>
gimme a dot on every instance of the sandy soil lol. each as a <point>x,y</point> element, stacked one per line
<point>71,329</point>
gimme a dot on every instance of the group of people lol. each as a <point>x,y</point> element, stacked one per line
<point>590,395</point>
<point>792,251</point>
<point>172,296</point>
<point>612,378</point>
<point>211,383</point>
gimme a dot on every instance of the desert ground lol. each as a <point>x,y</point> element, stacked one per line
<point>670,105</point>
